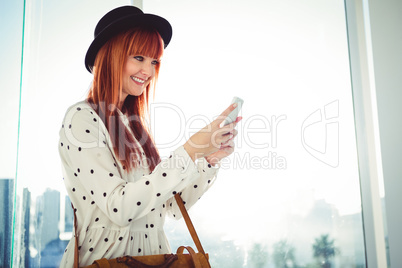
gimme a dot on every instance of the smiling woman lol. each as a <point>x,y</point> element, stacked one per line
<point>119,187</point>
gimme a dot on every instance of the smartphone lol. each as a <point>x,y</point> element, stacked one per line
<point>233,115</point>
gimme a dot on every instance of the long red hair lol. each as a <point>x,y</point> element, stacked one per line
<point>104,96</point>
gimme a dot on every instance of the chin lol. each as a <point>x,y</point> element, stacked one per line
<point>137,93</point>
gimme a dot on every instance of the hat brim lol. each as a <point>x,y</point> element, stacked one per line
<point>147,20</point>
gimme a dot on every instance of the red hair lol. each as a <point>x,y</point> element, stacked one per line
<point>104,95</point>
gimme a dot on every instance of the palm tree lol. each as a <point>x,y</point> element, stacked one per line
<point>324,250</point>
<point>258,256</point>
<point>283,255</point>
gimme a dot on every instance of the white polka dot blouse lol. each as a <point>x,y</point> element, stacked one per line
<point>118,212</point>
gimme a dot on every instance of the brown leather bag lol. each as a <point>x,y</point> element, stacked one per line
<point>178,260</point>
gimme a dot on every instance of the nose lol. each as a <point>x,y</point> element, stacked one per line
<point>148,68</point>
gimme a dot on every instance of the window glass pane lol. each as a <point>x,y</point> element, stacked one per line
<point>57,36</point>
<point>11,17</point>
<point>290,193</point>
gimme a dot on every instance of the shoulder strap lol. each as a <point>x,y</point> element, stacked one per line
<point>76,254</point>
<point>189,224</point>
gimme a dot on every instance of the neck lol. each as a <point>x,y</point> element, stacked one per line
<point>120,105</point>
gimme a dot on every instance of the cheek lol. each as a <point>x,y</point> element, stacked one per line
<point>126,71</point>
<point>130,67</point>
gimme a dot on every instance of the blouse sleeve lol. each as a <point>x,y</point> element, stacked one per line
<point>87,159</point>
<point>192,193</point>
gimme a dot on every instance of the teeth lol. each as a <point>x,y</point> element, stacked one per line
<point>137,79</point>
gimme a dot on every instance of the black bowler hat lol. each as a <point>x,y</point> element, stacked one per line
<point>120,19</point>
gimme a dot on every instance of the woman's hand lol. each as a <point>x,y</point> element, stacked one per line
<point>225,150</point>
<point>213,138</point>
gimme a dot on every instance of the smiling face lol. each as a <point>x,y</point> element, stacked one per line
<point>138,72</point>
<point>128,64</point>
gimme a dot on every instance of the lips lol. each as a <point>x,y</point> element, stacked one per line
<point>138,80</point>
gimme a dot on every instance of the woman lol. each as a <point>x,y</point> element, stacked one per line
<point>118,185</point>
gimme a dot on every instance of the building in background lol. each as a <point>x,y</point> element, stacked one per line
<point>26,216</point>
<point>48,216</point>
<point>68,215</point>
<point>6,217</point>
<point>48,246</point>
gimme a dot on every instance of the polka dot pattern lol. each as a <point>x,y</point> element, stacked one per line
<point>125,209</point>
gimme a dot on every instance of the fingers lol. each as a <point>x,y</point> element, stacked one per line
<point>221,118</point>
<point>230,127</point>
<point>238,119</point>
<point>233,124</point>
<point>212,137</point>
<point>228,132</point>
<point>228,110</point>
<point>234,132</point>
<point>228,139</point>
<point>229,143</point>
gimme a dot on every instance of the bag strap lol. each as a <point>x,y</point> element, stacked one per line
<point>196,261</point>
<point>183,211</point>
<point>76,254</point>
<point>189,224</point>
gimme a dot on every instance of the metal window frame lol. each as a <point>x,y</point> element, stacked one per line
<point>367,130</point>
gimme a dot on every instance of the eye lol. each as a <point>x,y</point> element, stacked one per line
<point>139,58</point>
<point>155,62</point>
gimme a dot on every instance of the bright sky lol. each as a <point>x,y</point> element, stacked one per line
<point>287,59</point>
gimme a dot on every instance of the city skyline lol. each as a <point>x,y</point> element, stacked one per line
<point>46,246</point>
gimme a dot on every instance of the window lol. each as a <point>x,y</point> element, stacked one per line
<point>53,77</point>
<point>11,21</point>
<point>289,193</point>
